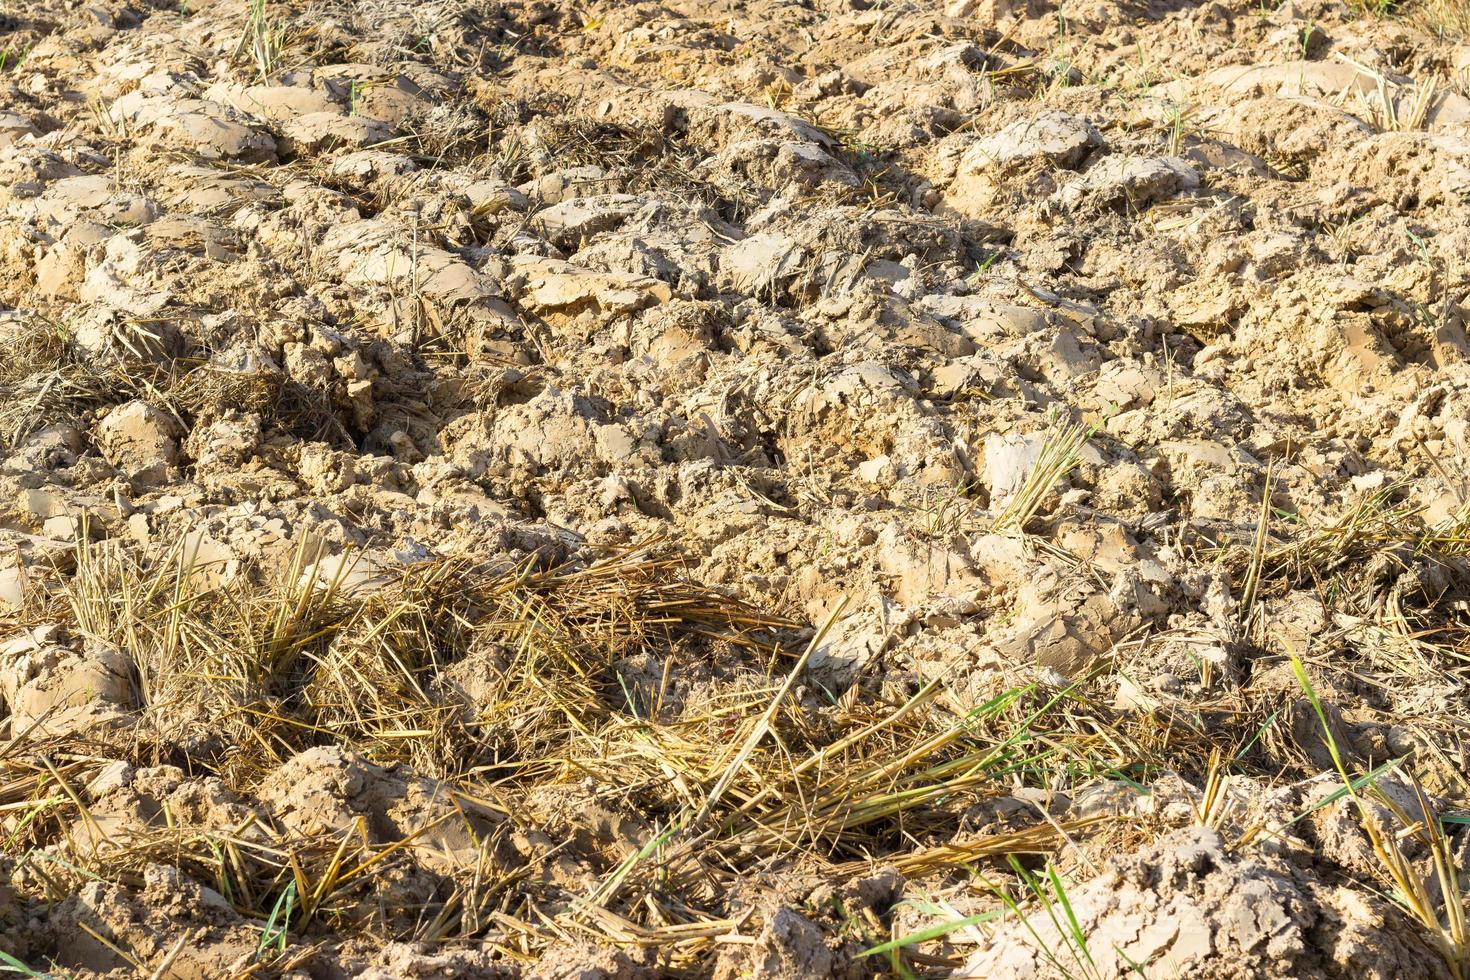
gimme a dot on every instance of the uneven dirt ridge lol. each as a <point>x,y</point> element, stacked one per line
<point>789,488</point>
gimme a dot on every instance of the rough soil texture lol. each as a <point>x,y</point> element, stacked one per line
<point>710,488</point>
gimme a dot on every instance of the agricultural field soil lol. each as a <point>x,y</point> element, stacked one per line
<point>786,488</point>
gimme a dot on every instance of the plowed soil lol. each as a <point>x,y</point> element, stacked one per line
<point>787,488</point>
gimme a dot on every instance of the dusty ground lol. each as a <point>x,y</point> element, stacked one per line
<point>736,489</point>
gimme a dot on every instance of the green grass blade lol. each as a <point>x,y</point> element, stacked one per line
<point>932,932</point>
<point>1073,925</point>
<point>9,964</point>
<point>1298,668</point>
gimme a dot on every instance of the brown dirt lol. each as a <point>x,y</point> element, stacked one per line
<point>614,490</point>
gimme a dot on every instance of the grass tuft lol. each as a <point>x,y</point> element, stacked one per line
<point>1061,453</point>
